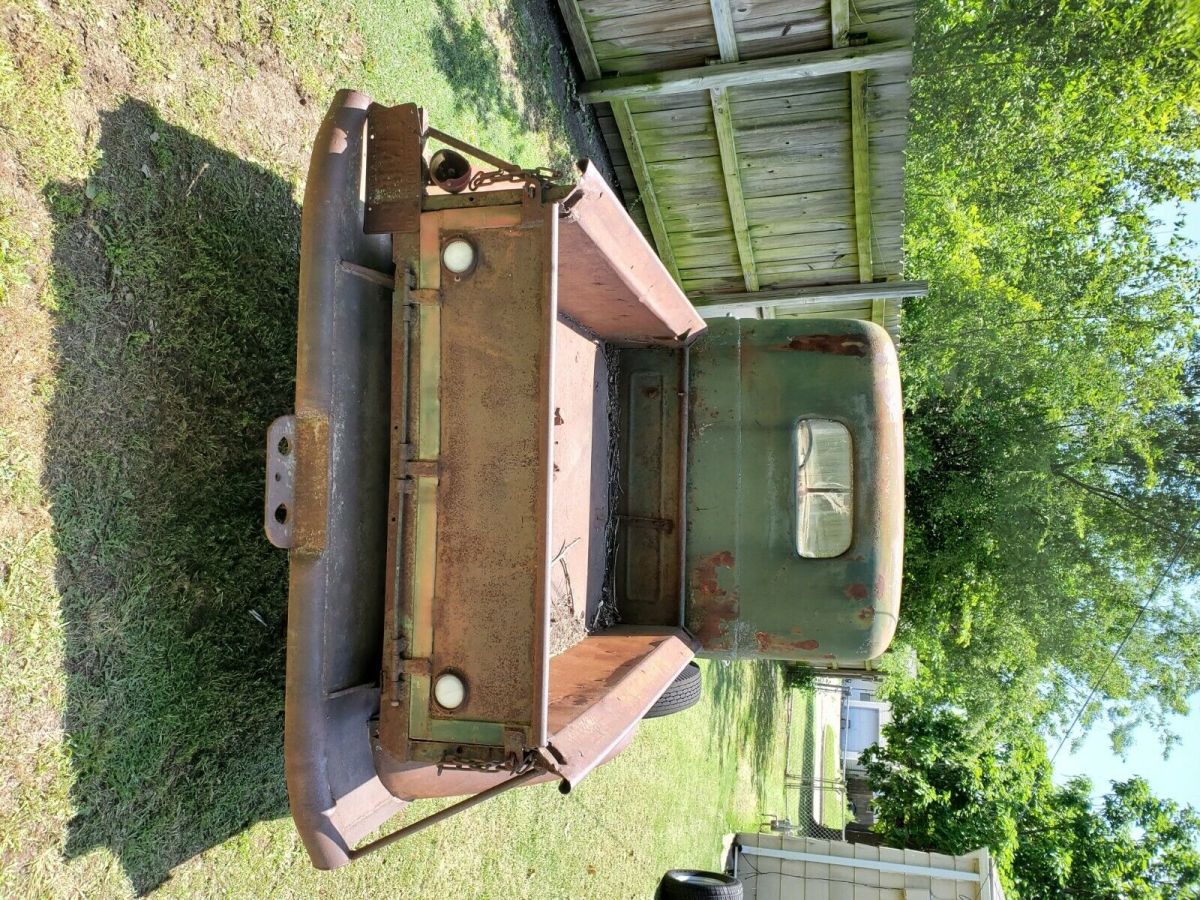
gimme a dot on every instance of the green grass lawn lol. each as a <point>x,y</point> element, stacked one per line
<point>151,164</point>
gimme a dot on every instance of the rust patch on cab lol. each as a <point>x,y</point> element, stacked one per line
<point>709,621</point>
<point>838,344</point>
<point>773,642</point>
<point>855,591</point>
<point>713,607</point>
<point>704,575</point>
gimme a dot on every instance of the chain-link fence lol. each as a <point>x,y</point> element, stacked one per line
<point>815,792</point>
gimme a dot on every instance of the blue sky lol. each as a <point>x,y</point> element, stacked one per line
<point>1177,777</point>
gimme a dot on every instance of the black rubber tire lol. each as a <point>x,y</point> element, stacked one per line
<point>674,887</point>
<point>683,693</point>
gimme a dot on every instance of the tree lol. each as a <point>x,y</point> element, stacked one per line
<point>1134,846</point>
<point>946,785</point>
<point>1050,376</point>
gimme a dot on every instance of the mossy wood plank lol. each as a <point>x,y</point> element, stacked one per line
<point>651,20</point>
<point>699,39</point>
<point>629,62</point>
<point>818,294</point>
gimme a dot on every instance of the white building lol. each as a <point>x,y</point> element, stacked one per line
<point>772,867</point>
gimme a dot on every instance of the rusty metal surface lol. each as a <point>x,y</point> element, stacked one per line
<point>614,283</point>
<point>512,781</point>
<point>394,176</point>
<point>279,503</point>
<point>649,535</point>
<point>498,195</point>
<point>341,379</point>
<point>580,474</point>
<point>489,616</point>
<point>419,780</point>
<point>601,688</point>
<point>750,593</point>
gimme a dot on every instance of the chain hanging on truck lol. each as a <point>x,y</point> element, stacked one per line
<point>491,760</point>
<point>540,177</point>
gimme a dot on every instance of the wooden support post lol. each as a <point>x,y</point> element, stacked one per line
<point>793,67</point>
<point>577,30</point>
<point>860,138</point>
<point>641,174</point>
<point>839,22</point>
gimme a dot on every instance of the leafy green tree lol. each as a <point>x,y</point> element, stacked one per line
<point>1134,845</point>
<point>947,785</point>
<point>1050,376</point>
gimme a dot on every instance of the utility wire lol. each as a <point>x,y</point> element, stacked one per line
<point>1184,540</point>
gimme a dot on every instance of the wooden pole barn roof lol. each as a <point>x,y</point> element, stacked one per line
<point>760,145</point>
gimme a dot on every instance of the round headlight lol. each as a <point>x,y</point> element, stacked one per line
<point>458,256</point>
<point>449,691</point>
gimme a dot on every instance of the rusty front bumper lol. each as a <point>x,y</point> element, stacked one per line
<point>334,445</point>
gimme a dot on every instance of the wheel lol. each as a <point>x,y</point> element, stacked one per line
<point>692,884</point>
<point>683,693</point>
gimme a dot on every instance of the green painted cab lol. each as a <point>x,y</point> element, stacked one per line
<point>794,499</point>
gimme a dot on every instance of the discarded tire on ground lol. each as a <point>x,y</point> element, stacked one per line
<point>692,884</point>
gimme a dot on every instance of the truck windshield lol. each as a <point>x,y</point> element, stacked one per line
<point>824,488</point>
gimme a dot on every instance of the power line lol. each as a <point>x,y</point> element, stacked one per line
<point>1184,540</point>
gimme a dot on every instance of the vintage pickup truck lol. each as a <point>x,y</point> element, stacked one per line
<point>507,413</point>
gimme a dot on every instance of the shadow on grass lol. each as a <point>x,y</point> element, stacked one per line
<point>533,88</point>
<point>175,267</point>
<point>471,62</point>
<point>755,686</point>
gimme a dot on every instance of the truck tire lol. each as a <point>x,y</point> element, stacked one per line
<point>683,693</point>
<point>692,884</point>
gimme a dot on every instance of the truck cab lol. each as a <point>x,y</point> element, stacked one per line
<point>525,482</point>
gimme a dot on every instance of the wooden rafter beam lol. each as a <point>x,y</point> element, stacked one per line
<point>577,29</point>
<point>793,67</point>
<point>641,174</point>
<point>860,143</point>
<point>723,25</point>
<point>711,305</point>
<point>727,145</point>
<point>733,185</point>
